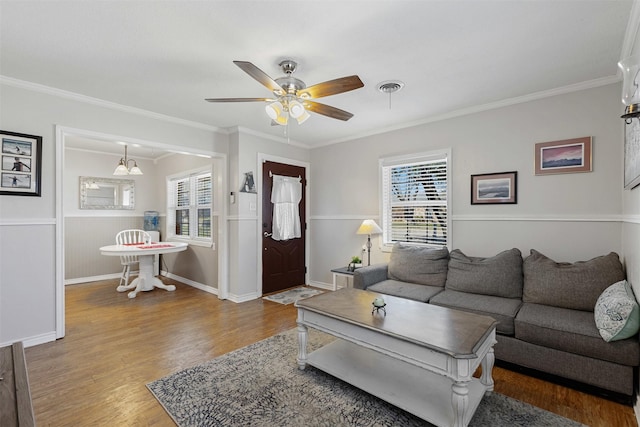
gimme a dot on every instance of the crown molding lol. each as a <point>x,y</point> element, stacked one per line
<point>241,129</point>
<point>590,84</point>
<point>60,93</point>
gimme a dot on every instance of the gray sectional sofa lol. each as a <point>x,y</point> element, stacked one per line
<point>545,309</point>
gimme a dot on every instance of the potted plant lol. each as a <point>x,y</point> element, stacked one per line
<point>356,262</point>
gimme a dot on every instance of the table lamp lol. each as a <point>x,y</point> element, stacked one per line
<point>369,227</point>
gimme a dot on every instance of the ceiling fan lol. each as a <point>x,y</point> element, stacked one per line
<point>292,96</point>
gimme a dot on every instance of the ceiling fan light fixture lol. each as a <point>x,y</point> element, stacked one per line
<point>275,110</point>
<point>296,109</point>
<point>303,117</point>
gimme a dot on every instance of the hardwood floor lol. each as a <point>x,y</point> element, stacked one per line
<point>114,345</point>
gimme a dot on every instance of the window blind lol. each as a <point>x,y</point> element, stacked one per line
<point>190,205</point>
<point>415,201</point>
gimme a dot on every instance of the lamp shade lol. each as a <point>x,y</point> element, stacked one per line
<point>303,117</point>
<point>369,226</point>
<point>135,170</point>
<point>296,109</point>
<point>274,110</point>
<point>121,169</point>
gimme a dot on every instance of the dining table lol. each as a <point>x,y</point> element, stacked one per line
<point>146,252</point>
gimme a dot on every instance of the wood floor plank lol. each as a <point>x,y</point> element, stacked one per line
<point>114,345</point>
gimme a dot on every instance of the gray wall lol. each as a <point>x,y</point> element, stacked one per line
<point>568,217</point>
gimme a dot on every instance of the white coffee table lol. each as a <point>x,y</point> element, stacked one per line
<point>418,357</point>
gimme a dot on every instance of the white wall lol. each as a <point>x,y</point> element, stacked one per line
<point>568,217</point>
<point>245,243</point>
<point>29,269</point>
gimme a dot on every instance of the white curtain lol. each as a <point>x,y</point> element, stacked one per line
<point>286,194</point>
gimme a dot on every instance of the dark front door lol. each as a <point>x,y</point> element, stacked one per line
<point>283,261</point>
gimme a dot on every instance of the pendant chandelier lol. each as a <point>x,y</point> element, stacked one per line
<point>123,166</point>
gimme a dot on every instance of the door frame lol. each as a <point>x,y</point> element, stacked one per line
<point>263,157</point>
<point>221,174</point>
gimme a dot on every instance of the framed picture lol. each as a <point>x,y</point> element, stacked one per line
<point>567,156</point>
<point>494,188</point>
<point>632,154</point>
<point>21,164</point>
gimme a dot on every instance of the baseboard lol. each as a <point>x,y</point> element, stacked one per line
<point>189,282</point>
<point>34,340</point>
<point>96,278</point>
<point>321,285</point>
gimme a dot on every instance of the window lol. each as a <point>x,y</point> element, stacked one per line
<point>190,206</point>
<point>415,199</point>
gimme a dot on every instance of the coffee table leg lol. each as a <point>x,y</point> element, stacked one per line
<point>460,401</point>
<point>302,346</point>
<point>487,368</point>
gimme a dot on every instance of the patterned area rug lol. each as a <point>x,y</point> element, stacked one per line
<point>260,385</point>
<point>292,295</point>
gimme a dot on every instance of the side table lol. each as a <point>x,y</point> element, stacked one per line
<point>343,272</point>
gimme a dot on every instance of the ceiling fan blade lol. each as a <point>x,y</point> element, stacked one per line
<point>238,99</point>
<point>331,87</point>
<point>327,110</point>
<point>260,76</point>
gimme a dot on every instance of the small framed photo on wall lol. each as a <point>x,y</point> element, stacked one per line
<point>494,188</point>
<point>566,156</point>
<point>21,164</point>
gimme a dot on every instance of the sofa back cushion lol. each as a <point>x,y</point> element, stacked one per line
<point>418,264</point>
<point>569,285</point>
<point>500,275</point>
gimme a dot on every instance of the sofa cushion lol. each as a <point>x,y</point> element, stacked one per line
<point>502,309</point>
<point>569,285</point>
<point>418,264</point>
<point>616,313</point>
<point>499,276</point>
<point>412,291</point>
<point>573,331</point>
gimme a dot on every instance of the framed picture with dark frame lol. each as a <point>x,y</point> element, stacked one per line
<point>494,188</point>
<point>632,154</point>
<point>566,156</point>
<point>21,167</point>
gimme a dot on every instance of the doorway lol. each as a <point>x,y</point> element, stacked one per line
<point>66,133</point>
<point>283,261</point>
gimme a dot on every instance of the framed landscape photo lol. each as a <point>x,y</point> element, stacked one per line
<point>21,164</point>
<point>566,156</point>
<point>632,154</point>
<point>494,188</point>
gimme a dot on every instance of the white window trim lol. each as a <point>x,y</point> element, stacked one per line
<point>415,158</point>
<point>170,223</point>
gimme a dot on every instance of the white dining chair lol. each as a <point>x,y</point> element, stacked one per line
<point>129,237</point>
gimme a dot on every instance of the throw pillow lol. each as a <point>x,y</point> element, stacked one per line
<point>569,285</point>
<point>499,275</point>
<point>616,313</point>
<point>418,264</point>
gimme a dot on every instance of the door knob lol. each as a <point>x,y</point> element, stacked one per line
<point>265,234</point>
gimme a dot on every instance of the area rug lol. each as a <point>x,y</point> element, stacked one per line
<point>261,385</point>
<point>292,295</point>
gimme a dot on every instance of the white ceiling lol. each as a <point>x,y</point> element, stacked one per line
<point>453,56</point>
